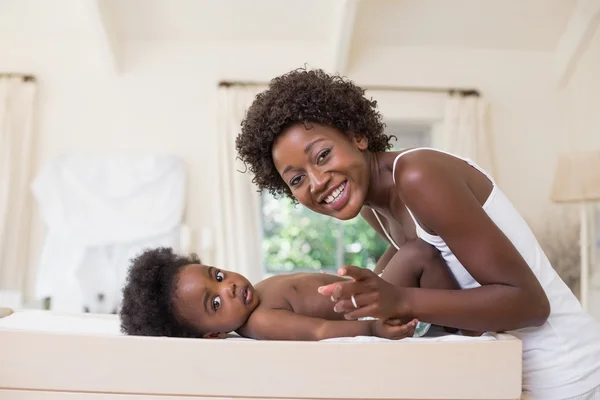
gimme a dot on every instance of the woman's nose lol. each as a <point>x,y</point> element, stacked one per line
<point>318,181</point>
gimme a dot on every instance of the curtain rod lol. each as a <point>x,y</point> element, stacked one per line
<point>463,92</point>
<point>25,77</point>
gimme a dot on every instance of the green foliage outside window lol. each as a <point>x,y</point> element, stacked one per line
<point>296,238</point>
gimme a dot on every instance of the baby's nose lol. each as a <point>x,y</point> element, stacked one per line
<point>231,290</point>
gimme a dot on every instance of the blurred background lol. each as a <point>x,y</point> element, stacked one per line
<point>118,120</point>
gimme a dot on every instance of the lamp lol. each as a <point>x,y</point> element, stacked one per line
<point>577,179</point>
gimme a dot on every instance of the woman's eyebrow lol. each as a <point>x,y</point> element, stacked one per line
<point>306,150</point>
<point>311,144</point>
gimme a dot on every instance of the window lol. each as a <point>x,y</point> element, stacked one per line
<point>298,239</point>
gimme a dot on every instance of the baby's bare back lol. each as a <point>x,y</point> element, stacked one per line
<point>298,293</point>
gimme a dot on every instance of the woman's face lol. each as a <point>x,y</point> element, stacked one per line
<point>326,170</point>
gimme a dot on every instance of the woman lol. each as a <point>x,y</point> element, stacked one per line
<point>317,139</point>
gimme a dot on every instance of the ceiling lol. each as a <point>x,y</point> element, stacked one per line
<point>533,25</point>
<point>337,32</point>
<point>487,24</point>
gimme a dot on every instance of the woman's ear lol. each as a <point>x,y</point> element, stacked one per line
<point>361,142</point>
<point>215,335</point>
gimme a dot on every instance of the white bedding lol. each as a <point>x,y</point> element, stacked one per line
<point>38,320</point>
<point>48,322</point>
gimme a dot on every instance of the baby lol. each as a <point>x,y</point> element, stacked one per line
<point>170,295</point>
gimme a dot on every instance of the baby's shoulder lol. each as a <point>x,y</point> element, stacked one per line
<point>275,287</point>
<point>260,319</point>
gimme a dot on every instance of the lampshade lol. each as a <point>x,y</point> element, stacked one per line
<point>577,177</point>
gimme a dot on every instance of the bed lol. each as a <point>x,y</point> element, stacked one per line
<point>49,356</point>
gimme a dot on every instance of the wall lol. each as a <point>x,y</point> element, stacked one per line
<point>582,98</point>
<point>525,107</point>
<point>164,100</point>
<point>581,111</point>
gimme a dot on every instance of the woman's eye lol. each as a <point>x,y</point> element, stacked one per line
<point>216,303</point>
<point>322,155</point>
<point>295,180</point>
<point>220,276</point>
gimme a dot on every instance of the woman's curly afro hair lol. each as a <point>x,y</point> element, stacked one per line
<point>304,96</point>
<point>147,306</point>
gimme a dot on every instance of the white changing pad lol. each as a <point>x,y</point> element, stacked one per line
<point>46,321</point>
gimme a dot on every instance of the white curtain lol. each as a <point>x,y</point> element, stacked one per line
<point>465,130</point>
<point>17,99</point>
<point>238,230</point>
<point>100,211</point>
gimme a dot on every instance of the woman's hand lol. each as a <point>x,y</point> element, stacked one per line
<point>393,328</point>
<point>373,296</point>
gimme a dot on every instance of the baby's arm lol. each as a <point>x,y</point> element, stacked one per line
<point>279,324</point>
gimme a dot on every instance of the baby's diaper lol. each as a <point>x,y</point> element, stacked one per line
<point>421,329</point>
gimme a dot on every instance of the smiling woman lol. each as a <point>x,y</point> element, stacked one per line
<point>298,239</point>
<point>316,138</point>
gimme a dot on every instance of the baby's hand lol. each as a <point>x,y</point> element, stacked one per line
<point>393,328</point>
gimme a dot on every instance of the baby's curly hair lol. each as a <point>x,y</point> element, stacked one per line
<point>147,306</point>
<point>304,96</point>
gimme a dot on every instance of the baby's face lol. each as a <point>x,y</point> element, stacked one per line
<point>213,300</point>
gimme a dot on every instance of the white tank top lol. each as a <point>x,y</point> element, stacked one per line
<point>561,358</point>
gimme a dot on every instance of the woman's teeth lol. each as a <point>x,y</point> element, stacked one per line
<point>331,198</point>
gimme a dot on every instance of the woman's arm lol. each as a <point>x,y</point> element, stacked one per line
<point>510,296</point>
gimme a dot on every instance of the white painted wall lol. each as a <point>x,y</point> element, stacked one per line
<point>525,107</point>
<point>582,99</point>
<point>164,101</point>
<point>581,111</point>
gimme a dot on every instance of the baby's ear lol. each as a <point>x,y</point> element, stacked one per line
<point>215,335</point>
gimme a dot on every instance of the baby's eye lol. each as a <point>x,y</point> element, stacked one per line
<point>220,276</point>
<point>322,155</point>
<point>216,303</point>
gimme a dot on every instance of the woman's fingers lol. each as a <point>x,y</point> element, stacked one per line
<point>370,310</point>
<point>327,290</point>
<point>345,289</point>
<point>356,272</point>
<point>360,300</point>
